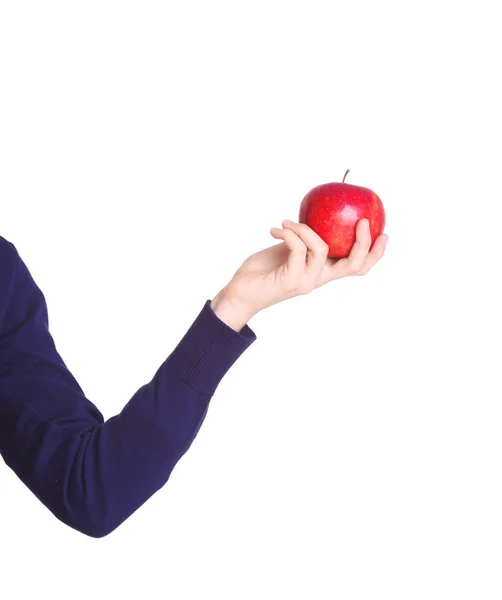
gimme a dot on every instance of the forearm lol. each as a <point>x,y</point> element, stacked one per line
<point>116,467</point>
<point>132,455</point>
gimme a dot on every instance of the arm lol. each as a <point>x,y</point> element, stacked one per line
<point>91,474</point>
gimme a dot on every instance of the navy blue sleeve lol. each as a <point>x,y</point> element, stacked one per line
<point>91,474</point>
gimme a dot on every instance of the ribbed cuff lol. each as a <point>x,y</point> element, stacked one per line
<point>208,350</point>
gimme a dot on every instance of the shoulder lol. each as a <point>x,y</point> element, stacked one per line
<point>8,258</point>
<point>9,265</point>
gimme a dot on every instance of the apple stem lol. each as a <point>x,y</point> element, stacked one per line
<point>346,173</point>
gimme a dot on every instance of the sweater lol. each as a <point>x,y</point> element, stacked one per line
<point>91,474</point>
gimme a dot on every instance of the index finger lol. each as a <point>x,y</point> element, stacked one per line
<point>317,247</point>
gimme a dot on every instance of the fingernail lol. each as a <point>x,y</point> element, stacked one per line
<point>288,222</point>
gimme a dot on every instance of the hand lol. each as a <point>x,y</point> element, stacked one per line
<point>298,266</point>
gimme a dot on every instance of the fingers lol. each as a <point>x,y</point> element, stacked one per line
<point>298,250</point>
<point>307,256</point>
<point>317,248</point>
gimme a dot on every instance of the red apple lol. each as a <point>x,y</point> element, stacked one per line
<point>332,210</point>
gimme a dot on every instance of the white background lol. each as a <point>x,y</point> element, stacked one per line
<point>355,450</point>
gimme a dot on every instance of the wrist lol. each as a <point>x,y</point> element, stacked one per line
<point>231,310</point>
